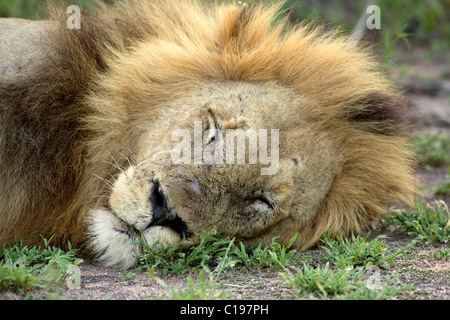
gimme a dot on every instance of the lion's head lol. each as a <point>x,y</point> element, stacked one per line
<point>320,152</point>
<point>229,155</point>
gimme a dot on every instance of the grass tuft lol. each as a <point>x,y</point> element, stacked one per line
<point>359,251</point>
<point>23,268</point>
<point>430,223</point>
<point>432,149</point>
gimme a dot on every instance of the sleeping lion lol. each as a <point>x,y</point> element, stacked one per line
<point>163,119</point>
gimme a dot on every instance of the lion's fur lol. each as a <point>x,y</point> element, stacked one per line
<point>84,107</point>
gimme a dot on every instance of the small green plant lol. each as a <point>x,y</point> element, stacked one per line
<point>210,252</point>
<point>320,281</point>
<point>391,39</point>
<point>23,268</point>
<point>347,273</point>
<point>386,291</point>
<point>432,149</point>
<point>443,254</point>
<point>358,251</point>
<point>431,223</point>
<point>34,9</point>
<point>274,255</point>
<point>345,284</point>
<point>444,188</point>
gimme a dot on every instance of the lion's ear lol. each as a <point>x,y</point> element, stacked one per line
<point>379,113</point>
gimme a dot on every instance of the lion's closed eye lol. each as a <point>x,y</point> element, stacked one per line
<point>264,202</point>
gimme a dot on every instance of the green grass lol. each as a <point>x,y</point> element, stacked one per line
<point>320,281</point>
<point>204,288</point>
<point>357,251</point>
<point>444,187</point>
<point>347,272</point>
<point>209,259</point>
<point>432,149</point>
<point>34,9</point>
<point>275,255</point>
<point>342,284</point>
<point>23,268</point>
<point>209,252</point>
<point>430,223</point>
<point>424,21</point>
<point>347,261</point>
<point>443,254</point>
<point>21,9</point>
<point>213,251</point>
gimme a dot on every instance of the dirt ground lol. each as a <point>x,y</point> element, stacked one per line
<point>430,275</point>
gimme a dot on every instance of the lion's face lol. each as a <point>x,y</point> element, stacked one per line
<point>181,184</point>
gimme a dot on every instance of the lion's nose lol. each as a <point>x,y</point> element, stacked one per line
<point>158,201</point>
<point>162,216</point>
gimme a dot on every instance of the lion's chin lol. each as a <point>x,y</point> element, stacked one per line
<point>117,246</point>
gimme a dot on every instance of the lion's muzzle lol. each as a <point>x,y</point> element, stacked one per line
<point>135,211</point>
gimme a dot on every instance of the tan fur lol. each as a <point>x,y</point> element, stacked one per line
<point>92,126</point>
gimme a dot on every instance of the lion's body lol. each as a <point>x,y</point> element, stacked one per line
<point>80,128</point>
